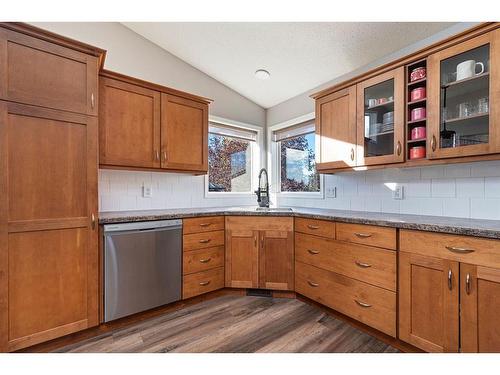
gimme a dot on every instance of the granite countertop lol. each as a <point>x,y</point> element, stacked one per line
<point>468,227</point>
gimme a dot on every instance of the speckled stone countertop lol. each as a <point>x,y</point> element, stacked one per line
<point>468,227</point>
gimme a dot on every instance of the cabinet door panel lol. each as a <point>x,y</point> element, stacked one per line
<point>48,75</point>
<point>276,260</point>
<point>242,270</point>
<point>129,128</point>
<point>480,301</point>
<point>184,134</point>
<point>336,129</point>
<point>48,243</point>
<point>428,302</point>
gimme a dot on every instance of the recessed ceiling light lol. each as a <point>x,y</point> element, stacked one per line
<point>262,74</point>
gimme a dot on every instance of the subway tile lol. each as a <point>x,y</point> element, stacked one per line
<point>459,207</point>
<point>470,187</point>
<point>443,188</point>
<point>492,187</point>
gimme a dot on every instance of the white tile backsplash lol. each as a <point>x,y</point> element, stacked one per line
<point>469,190</point>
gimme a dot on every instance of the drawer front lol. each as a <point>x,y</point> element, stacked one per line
<point>370,235</point>
<point>202,282</point>
<point>202,260</point>
<point>203,240</point>
<point>465,249</point>
<point>369,264</point>
<point>203,224</point>
<point>371,305</point>
<point>320,228</point>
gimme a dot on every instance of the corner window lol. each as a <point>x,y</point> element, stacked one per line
<point>296,159</point>
<point>230,159</point>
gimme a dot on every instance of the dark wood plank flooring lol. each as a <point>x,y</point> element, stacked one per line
<point>238,324</point>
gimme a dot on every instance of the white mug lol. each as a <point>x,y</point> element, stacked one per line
<point>467,69</point>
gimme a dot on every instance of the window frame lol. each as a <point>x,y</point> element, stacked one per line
<point>257,155</point>
<point>274,162</point>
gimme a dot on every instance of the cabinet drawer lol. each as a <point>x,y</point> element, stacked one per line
<point>203,224</point>
<point>321,228</point>
<point>202,260</point>
<point>202,282</point>
<point>367,234</point>
<point>371,305</point>
<point>369,264</point>
<point>203,240</point>
<point>473,250</point>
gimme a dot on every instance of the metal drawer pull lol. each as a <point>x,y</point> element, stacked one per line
<point>205,224</point>
<point>362,265</point>
<point>312,226</point>
<point>362,304</point>
<point>450,276</point>
<point>312,284</point>
<point>467,284</point>
<point>363,235</point>
<point>204,283</point>
<point>205,260</point>
<point>205,241</point>
<point>313,252</point>
<point>460,250</point>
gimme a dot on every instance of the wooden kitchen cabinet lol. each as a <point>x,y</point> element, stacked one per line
<point>336,129</point>
<point>463,100</point>
<point>380,119</point>
<point>259,252</point>
<point>48,234</point>
<point>480,306</point>
<point>129,124</point>
<point>184,134</point>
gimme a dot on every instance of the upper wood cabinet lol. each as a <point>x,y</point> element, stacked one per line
<point>380,119</point>
<point>46,74</point>
<point>184,134</point>
<point>129,124</point>
<point>336,129</point>
<point>464,95</point>
<point>141,126</point>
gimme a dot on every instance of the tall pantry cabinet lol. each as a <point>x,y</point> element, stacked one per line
<point>48,186</point>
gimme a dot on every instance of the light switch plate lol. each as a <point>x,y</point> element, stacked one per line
<point>398,192</point>
<point>331,192</point>
<point>147,191</point>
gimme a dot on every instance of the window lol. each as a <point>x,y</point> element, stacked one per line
<point>230,159</point>
<point>296,158</point>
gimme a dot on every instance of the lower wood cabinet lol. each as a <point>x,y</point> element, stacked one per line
<point>259,253</point>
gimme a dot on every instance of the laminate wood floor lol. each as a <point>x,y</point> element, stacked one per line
<point>238,324</point>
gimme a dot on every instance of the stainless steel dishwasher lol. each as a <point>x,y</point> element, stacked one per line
<point>142,266</point>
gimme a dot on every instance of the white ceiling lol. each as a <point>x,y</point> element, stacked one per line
<point>299,56</point>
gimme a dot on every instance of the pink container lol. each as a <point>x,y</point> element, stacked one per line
<point>417,152</point>
<point>417,113</point>
<point>417,94</point>
<point>418,133</point>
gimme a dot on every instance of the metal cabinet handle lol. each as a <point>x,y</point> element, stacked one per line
<point>205,260</point>
<point>312,226</point>
<point>450,276</point>
<point>313,252</point>
<point>205,224</point>
<point>92,100</point>
<point>398,148</point>
<point>362,304</point>
<point>468,283</point>
<point>459,250</point>
<point>204,283</point>
<point>363,235</point>
<point>92,220</point>
<point>362,265</point>
<point>433,143</point>
<point>352,154</point>
<point>205,241</point>
<point>313,284</point>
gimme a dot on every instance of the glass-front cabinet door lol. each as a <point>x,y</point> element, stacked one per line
<point>463,93</point>
<point>380,119</point>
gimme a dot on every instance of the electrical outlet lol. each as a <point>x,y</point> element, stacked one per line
<point>331,192</point>
<point>398,192</point>
<point>147,191</point>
